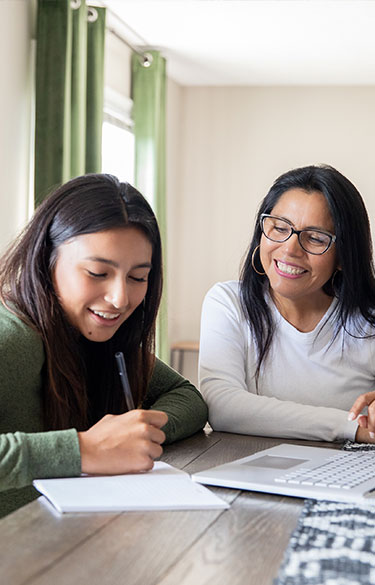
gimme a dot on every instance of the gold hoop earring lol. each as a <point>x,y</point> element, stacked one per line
<point>252,261</point>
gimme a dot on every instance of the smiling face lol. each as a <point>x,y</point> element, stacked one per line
<point>101,278</point>
<point>295,275</point>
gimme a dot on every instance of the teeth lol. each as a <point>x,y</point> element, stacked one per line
<point>106,315</point>
<point>289,269</point>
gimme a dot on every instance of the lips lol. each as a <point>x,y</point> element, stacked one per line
<point>105,318</point>
<point>105,315</point>
<point>289,269</point>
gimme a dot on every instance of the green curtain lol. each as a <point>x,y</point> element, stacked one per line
<point>149,104</point>
<point>69,92</point>
<point>95,91</point>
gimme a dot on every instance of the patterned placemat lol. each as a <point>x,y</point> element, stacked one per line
<point>333,544</point>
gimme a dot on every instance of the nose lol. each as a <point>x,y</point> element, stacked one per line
<point>117,293</point>
<point>292,246</point>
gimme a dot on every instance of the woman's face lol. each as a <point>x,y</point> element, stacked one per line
<point>294,274</point>
<point>101,278</point>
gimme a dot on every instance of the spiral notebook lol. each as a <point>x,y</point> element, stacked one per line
<point>162,488</point>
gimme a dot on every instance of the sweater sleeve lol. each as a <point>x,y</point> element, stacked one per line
<point>179,399</point>
<point>27,456</point>
<point>236,408</point>
<point>26,452</point>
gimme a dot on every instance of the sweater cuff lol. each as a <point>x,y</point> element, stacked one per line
<point>348,430</point>
<point>53,454</point>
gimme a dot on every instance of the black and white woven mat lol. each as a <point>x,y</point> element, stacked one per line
<point>333,544</point>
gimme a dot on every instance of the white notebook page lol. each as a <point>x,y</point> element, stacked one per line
<point>162,488</point>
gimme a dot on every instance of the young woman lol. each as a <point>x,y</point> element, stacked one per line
<point>82,283</point>
<point>286,351</point>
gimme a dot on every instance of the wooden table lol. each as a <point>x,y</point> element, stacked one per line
<point>242,545</point>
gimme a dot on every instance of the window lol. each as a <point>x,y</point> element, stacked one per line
<point>118,138</point>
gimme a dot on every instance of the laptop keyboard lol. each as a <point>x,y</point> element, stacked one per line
<point>345,471</point>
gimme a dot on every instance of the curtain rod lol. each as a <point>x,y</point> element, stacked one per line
<point>146,58</point>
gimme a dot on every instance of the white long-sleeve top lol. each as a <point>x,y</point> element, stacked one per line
<point>307,384</point>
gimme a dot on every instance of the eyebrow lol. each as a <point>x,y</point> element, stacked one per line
<point>309,227</point>
<point>116,264</point>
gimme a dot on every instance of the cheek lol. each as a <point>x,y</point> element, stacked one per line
<point>138,295</point>
<point>325,267</point>
<point>58,284</point>
<point>142,294</point>
<point>266,248</point>
<point>70,289</point>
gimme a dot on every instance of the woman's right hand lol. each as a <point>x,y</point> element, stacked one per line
<point>366,422</point>
<point>363,436</point>
<point>124,443</point>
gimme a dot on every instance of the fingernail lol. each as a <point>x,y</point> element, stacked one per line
<point>372,435</point>
<point>351,416</point>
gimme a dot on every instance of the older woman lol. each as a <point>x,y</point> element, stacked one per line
<point>287,350</point>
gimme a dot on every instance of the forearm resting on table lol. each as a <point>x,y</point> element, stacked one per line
<point>239,411</point>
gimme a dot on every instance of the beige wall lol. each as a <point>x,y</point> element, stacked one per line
<point>224,148</point>
<point>17,54</point>
<point>16,72</point>
<point>228,145</point>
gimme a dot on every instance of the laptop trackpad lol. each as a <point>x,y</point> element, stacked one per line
<point>273,462</point>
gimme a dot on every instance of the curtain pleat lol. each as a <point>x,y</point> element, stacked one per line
<point>78,92</point>
<point>149,106</point>
<point>64,93</point>
<point>95,95</point>
<point>52,130</point>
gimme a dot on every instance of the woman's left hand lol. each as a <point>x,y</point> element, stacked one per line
<point>363,420</point>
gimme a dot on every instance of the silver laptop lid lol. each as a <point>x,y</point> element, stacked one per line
<point>299,471</point>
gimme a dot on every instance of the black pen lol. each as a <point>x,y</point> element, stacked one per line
<point>124,380</point>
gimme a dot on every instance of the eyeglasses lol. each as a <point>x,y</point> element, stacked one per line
<point>280,230</point>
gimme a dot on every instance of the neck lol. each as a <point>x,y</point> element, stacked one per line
<point>304,314</point>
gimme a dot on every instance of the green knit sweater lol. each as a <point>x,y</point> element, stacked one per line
<point>26,452</point>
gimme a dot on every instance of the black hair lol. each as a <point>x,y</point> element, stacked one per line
<point>353,284</point>
<point>80,384</point>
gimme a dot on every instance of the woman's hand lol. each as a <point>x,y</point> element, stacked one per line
<point>124,443</point>
<point>363,436</point>
<point>366,422</point>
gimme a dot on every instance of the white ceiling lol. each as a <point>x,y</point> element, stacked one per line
<point>257,42</point>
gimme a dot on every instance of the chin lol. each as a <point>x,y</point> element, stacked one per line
<point>98,337</point>
<point>287,293</point>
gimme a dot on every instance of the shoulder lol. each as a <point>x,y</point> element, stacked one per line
<point>225,292</point>
<point>164,380</point>
<point>17,338</point>
<point>357,325</point>
<point>21,363</point>
<point>223,319</point>
<point>223,302</point>
<point>163,375</point>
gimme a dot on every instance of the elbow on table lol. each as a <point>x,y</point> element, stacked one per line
<point>220,422</point>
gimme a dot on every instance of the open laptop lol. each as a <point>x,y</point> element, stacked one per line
<point>299,471</point>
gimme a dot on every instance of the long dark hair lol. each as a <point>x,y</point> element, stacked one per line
<point>80,381</point>
<point>353,285</point>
